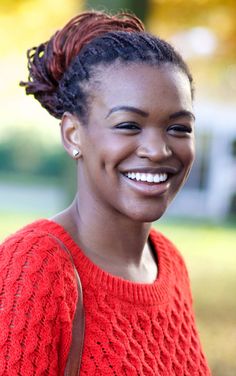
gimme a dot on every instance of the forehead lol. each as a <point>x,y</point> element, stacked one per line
<point>143,86</point>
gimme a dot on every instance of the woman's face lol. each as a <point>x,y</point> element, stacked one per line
<point>138,145</point>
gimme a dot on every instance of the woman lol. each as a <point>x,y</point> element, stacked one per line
<point>124,99</point>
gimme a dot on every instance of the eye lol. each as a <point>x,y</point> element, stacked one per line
<point>128,126</point>
<point>180,129</point>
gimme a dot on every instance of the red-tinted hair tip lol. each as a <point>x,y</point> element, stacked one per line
<point>48,62</point>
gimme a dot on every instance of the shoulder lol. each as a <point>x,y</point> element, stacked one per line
<point>37,300</point>
<point>170,253</point>
<point>161,241</point>
<point>32,257</point>
<point>33,239</point>
<point>18,247</point>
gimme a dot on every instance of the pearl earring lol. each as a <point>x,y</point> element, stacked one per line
<point>75,153</point>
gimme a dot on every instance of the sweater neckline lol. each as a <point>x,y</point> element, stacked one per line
<point>91,274</point>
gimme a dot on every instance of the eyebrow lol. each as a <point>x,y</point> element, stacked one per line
<point>129,109</point>
<point>173,116</point>
<point>182,113</point>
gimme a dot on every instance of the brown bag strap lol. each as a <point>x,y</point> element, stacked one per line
<point>76,348</point>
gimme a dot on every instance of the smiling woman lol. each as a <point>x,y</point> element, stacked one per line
<point>124,99</point>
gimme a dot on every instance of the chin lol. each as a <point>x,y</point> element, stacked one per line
<point>147,215</point>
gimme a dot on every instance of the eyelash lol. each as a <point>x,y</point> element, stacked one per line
<point>180,128</point>
<point>128,126</point>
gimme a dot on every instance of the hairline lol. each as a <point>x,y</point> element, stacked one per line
<point>92,83</point>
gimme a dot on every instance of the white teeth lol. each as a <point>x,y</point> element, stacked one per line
<point>164,177</point>
<point>157,178</point>
<point>143,177</point>
<point>150,178</point>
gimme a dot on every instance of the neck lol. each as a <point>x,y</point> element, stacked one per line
<point>109,236</point>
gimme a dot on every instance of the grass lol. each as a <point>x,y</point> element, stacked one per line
<point>10,222</point>
<point>210,254</point>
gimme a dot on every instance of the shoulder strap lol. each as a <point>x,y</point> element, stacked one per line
<point>76,348</point>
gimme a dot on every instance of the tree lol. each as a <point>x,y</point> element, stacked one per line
<point>139,7</point>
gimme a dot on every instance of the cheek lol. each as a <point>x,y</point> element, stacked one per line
<point>187,158</point>
<point>102,160</point>
<point>186,152</point>
<point>114,150</point>
<point>191,152</point>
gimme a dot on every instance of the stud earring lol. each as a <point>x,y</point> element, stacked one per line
<point>75,153</point>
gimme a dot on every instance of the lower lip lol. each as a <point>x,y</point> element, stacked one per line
<point>148,189</point>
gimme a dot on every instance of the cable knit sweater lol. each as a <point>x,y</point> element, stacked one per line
<point>131,328</point>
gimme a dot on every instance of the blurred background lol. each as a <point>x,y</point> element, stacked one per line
<point>36,176</point>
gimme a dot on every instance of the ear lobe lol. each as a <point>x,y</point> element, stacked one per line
<point>70,134</point>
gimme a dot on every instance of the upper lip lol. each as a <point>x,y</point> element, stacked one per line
<point>152,170</point>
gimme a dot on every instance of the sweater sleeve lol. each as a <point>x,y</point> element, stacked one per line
<point>37,303</point>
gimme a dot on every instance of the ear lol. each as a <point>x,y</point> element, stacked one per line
<point>70,134</point>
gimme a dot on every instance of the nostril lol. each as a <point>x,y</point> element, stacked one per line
<point>142,156</point>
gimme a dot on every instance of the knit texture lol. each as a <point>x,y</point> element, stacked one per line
<point>131,328</point>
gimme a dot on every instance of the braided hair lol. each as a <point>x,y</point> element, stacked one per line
<point>60,67</point>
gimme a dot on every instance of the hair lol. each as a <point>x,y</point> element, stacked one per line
<point>60,67</point>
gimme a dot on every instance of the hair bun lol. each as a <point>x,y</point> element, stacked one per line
<point>48,62</point>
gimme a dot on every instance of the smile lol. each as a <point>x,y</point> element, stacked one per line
<point>147,177</point>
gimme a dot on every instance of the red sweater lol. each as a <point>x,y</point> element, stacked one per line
<point>131,328</point>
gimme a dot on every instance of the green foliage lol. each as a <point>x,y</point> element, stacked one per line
<point>24,157</point>
<point>139,7</point>
<point>26,154</point>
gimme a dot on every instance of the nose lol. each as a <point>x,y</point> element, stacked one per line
<point>154,146</point>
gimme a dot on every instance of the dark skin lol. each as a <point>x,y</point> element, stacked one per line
<point>140,121</point>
